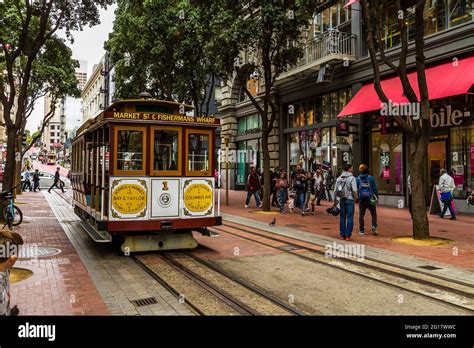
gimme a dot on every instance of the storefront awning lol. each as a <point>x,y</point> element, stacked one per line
<point>444,80</point>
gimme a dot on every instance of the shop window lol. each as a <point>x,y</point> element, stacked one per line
<point>241,162</point>
<point>253,121</point>
<point>387,162</point>
<point>435,16</point>
<point>198,145</point>
<point>326,107</point>
<point>166,150</point>
<point>460,11</point>
<point>310,112</point>
<point>298,149</point>
<point>318,110</point>
<point>130,145</point>
<point>334,105</point>
<point>319,148</point>
<point>241,124</point>
<point>462,160</point>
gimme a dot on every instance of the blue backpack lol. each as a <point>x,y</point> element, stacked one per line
<point>365,190</point>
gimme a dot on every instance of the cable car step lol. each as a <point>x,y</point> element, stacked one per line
<point>97,236</point>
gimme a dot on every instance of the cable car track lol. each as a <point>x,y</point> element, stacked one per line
<point>237,304</point>
<point>384,282</point>
<point>296,241</point>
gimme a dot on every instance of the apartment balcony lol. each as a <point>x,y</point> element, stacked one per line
<point>330,47</point>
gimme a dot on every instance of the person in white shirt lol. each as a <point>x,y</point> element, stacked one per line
<point>446,187</point>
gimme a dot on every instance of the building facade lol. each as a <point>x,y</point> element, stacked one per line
<point>93,92</point>
<point>336,72</point>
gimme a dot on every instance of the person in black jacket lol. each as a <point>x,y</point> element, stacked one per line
<point>57,181</point>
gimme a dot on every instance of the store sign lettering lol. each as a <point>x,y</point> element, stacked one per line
<point>446,117</point>
<point>249,131</point>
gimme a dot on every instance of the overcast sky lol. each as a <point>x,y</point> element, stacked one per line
<point>89,46</point>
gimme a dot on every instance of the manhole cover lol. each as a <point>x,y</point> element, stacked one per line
<point>289,247</point>
<point>30,252</point>
<point>19,274</point>
<point>295,225</point>
<point>144,302</point>
<point>430,268</point>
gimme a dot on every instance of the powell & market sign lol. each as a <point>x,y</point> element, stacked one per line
<point>162,117</point>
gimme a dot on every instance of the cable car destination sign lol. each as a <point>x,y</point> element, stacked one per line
<point>162,117</point>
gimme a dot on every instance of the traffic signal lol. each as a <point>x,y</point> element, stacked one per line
<point>23,140</point>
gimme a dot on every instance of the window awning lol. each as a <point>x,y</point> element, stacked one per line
<point>445,80</point>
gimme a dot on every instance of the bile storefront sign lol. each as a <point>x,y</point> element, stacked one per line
<point>436,205</point>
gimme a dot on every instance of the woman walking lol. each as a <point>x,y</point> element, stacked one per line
<point>282,189</point>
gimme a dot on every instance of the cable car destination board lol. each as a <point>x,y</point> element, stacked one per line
<point>150,116</point>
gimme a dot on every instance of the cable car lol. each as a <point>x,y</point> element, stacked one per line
<point>142,174</point>
<point>51,158</point>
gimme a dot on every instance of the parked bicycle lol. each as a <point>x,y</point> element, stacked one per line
<point>11,213</point>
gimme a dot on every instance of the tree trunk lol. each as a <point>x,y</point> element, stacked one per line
<point>9,173</point>
<point>266,172</point>
<point>418,149</point>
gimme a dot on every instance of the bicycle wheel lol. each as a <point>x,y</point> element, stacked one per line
<point>14,218</point>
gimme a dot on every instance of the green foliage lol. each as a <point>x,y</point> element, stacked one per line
<point>34,60</point>
<point>175,48</point>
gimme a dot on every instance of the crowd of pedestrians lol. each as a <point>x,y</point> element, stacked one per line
<point>302,191</point>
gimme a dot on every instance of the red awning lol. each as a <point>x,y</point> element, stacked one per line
<point>444,80</point>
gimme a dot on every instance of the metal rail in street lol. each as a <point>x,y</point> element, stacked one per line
<point>420,281</point>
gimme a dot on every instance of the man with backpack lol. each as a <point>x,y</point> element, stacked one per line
<point>346,193</point>
<point>368,192</point>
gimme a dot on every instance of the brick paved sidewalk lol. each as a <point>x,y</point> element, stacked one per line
<point>60,284</point>
<point>391,222</point>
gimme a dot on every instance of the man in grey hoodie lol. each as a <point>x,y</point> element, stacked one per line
<point>346,193</point>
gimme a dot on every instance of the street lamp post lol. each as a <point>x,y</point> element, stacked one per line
<point>226,142</point>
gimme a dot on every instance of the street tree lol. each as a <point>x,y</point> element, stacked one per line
<point>53,74</point>
<point>272,30</point>
<point>26,27</point>
<point>169,49</point>
<point>417,132</point>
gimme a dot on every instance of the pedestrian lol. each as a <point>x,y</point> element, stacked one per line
<point>345,193</point>
<point>282,188</point>
<point>26,179</point>
<point>299,188</point>
<point>253,186</point>
<point>309,195</point>
<point>274,176</point>
<point>328,182</point>
<point>318,186</point>
<point>216,178</point>
<point>9,243</point>
<point>36,180</point>
<point>368,196</point>
<point>57,181</point>
<point>446,187</point>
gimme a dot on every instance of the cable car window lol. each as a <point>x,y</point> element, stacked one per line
<point>198,152</point>
<point>130,150</point>
<point>166,150</point>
